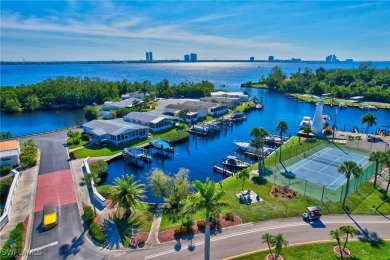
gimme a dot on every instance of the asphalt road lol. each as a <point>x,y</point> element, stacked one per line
<point>245,238</point>
<point>66,240</point>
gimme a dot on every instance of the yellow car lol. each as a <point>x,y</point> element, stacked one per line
<point>49,216</point>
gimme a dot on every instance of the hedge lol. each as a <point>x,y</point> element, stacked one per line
<point>5,185</point>
<point>97,233</point>
<point>16,237</point>
<point>4,170</point>
<point>88,214</point>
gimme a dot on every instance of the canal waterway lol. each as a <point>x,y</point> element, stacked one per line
<point>199,154</point>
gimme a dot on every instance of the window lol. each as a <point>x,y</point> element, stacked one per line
<point>6,159</point>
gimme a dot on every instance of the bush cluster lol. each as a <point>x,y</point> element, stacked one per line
<point>4,170</point>
<point>88,214</point>
<point>5,185</point>
<point>180,230</point>
<point>202,224</point>
<point>99,168</point>
<point>29,153</point>
<point>97,233</point>
<point>228,216</point>
<point>9,251</point>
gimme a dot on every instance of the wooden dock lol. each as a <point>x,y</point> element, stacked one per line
<point>222,170</point>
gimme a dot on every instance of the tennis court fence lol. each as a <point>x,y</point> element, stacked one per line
<point>276,174</point>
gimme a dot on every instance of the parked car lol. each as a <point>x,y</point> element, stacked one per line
<point>313,213</point>
<point>50,217</point>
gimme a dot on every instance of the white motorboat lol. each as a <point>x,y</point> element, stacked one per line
<point>234,162</point>
<point>306,122</point>
<point>245,146</point>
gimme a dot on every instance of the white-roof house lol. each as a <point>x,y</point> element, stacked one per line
<point>239,95</point>
<point>115,131</point>
<point>9,152</point>
<point>107,106</point>
<point>135,94</point>
<point>155,122</point>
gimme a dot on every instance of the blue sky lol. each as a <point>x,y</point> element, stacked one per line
<point>125,30</point>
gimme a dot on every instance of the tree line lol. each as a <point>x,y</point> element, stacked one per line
<point>366,80</point>
<point>77,92</point>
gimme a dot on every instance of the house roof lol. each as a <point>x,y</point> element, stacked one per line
<point>9,145</point>
<point>220,99</point>
<point>147,117</point>
<point>183,107</point>
<point>113,127</point>
<point>201,104</point>
<point>123,103</point>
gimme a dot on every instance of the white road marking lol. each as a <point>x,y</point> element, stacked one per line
<point>42,247</point>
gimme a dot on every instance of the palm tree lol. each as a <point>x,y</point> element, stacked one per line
<point>127,193</point>
<point>369,119</point>
<point>267,238</point>
<point>337,234</point>
<point>207,198</point>
<point>349,231</point>
<point>307,131</point>
<point>349,168</point>
<point>278,241</point>
<point>386,160</point>
<point>244,174</point>
<point>182,114</point>
<point>376,157</point>
<point>282,127</point>
<point>259,135</point>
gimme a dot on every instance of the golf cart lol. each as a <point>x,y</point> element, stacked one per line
<point>313,213</point>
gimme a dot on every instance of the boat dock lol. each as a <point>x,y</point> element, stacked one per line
<point>161,146</point>
<point>222,170</point>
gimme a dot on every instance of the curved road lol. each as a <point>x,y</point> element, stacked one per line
<point>245,238</point>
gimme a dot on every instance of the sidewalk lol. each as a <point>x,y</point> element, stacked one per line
<point>23,204</point>
<point>83,197</point>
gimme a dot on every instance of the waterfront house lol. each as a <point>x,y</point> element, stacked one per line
<point>127,103</point>
<point>116,131</point>
<point>213,109</point>
<point>9,153</point>
<point>231,102</point>
<point>193,115</point>
<point>239,95</point>
<point>156,122</point>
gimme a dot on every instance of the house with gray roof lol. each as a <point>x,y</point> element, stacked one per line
<point>231,102</point>
<point>116,131</point>
<point>239,95</point>
<point>213,109</point>
<point>193,115</point>
<point>130,102</point>
<point>156,122</point>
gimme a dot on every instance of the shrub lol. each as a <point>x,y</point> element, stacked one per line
<point>88,214</point>
<point>85,137</point>
<point>97,233</point>
<point>5,185</point>
<point>4,170</point>
<point>16,237</point>
<point>202,224</point>
<point>180,230</point>
<point>76,141</point>
<point>104,190</point>
<point>99,168</point>
<point>141,241</point>
<point>229,216</point>
<point>72,156</point>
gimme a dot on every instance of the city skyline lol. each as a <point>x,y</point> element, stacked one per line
<point>225,30</point>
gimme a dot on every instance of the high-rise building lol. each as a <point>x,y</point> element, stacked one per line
<point>149,56</point>
<point>186,58</point>
<point>271,58</point>
<point>193,57</point>
<point>331,58</point>
<point>252,59</point>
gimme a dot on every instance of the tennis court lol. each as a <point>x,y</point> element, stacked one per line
<point>321,167</point>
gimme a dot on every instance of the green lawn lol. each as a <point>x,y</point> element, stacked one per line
<point>244,106</point>
<point>82,143</point>
<point>324,251</point>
